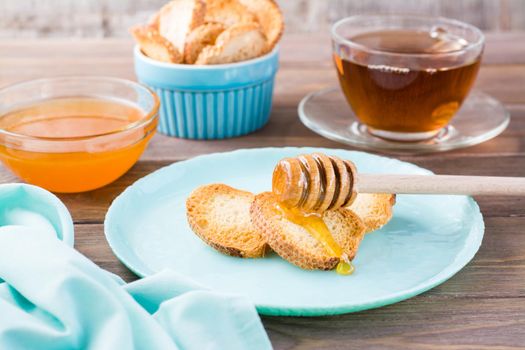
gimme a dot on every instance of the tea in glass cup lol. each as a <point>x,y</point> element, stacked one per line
<point>405,77</point>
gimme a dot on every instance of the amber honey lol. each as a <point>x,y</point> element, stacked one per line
<point>313,223</point>
<point>73,144</point>
<point>418,88</point>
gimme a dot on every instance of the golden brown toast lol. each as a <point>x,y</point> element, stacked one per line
<point>228,12</point>
<point>239,42</point>
<point>211,31</point>
<point>178,18</point>
<point>153,20</point>
<point>153,45</point>
<point>200,37</point>
<point>269,17</point>
<point>220,216</point>
<point>295,244</point>
<point>375,209</point>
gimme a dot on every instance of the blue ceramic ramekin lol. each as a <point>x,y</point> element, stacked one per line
<point>211,102</point>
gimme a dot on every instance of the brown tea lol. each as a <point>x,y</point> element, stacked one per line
<point>405,93</point>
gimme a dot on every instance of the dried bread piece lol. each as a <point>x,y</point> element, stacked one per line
<point>239,42</point>
<point>154,19</point>
<point>375,209</point>
<point>269,17</point>
<point>178,18</point>
<point>154,45</point>
<point>228,12</point>
<point>295,244</point>
<point>220,216</point>
<point>200,37</point>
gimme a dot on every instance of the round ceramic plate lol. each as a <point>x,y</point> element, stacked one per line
<point>429,239</point>
<point>480,118</point>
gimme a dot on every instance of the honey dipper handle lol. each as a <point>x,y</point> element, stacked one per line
<point>441,184</point>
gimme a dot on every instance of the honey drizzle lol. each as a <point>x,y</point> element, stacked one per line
<point>314,224</point>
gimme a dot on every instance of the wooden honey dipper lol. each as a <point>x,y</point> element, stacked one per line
<point>317,182</point>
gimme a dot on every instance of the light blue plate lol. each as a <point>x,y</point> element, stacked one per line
<point>429,239</point>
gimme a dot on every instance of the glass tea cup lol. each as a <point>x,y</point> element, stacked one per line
<point>405,77</point>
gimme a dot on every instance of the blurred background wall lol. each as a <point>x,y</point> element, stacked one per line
<point>111,18</point>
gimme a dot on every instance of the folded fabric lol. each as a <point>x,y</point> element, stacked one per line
<point>55,298</point>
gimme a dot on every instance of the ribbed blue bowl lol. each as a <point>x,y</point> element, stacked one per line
<point>211,102</point>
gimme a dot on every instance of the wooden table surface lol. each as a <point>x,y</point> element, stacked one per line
<point>482,307</point>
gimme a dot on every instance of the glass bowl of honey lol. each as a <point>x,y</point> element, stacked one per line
<point>75,134</point>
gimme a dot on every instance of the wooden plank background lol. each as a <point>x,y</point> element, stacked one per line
<point>105,18</point>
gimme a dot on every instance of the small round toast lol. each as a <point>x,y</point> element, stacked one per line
<point>270,18</point>
<point>239,42</point>
<point>178,18</point>
<point>375,209</point>
<point>293,242</point>
<point>153,45</point>
<point>228,12</point>
<point>200,37</point>
<point>220,216</point>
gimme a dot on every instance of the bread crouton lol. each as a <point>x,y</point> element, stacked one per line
<point>178,18</point>
<point>153,45</point>
<point>200,37</point>
<point>220,216</point>
<point>239,42</point>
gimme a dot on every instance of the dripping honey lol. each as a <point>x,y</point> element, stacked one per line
<point>73,144</point>
<point>314,224</point>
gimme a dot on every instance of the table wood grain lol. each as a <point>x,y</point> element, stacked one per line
<point>482,307</point>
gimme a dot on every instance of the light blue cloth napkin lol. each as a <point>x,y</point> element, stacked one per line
<point>55,298</point>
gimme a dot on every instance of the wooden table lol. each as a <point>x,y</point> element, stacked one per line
<point>482,307</point>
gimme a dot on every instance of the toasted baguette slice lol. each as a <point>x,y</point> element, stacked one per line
<point>154,45</point>
<point>375,209</point>
<point>220,216</point>
<point>293,242</point>
<point>179,17</point>
<point>228,12</point>
<point>269,17</point>
<point>202,36</point>
<point>237,43</point>
<point>154,20</point>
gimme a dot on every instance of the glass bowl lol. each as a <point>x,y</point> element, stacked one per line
<point>75,134</point>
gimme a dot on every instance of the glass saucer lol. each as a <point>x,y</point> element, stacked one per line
<point>327,113</point>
